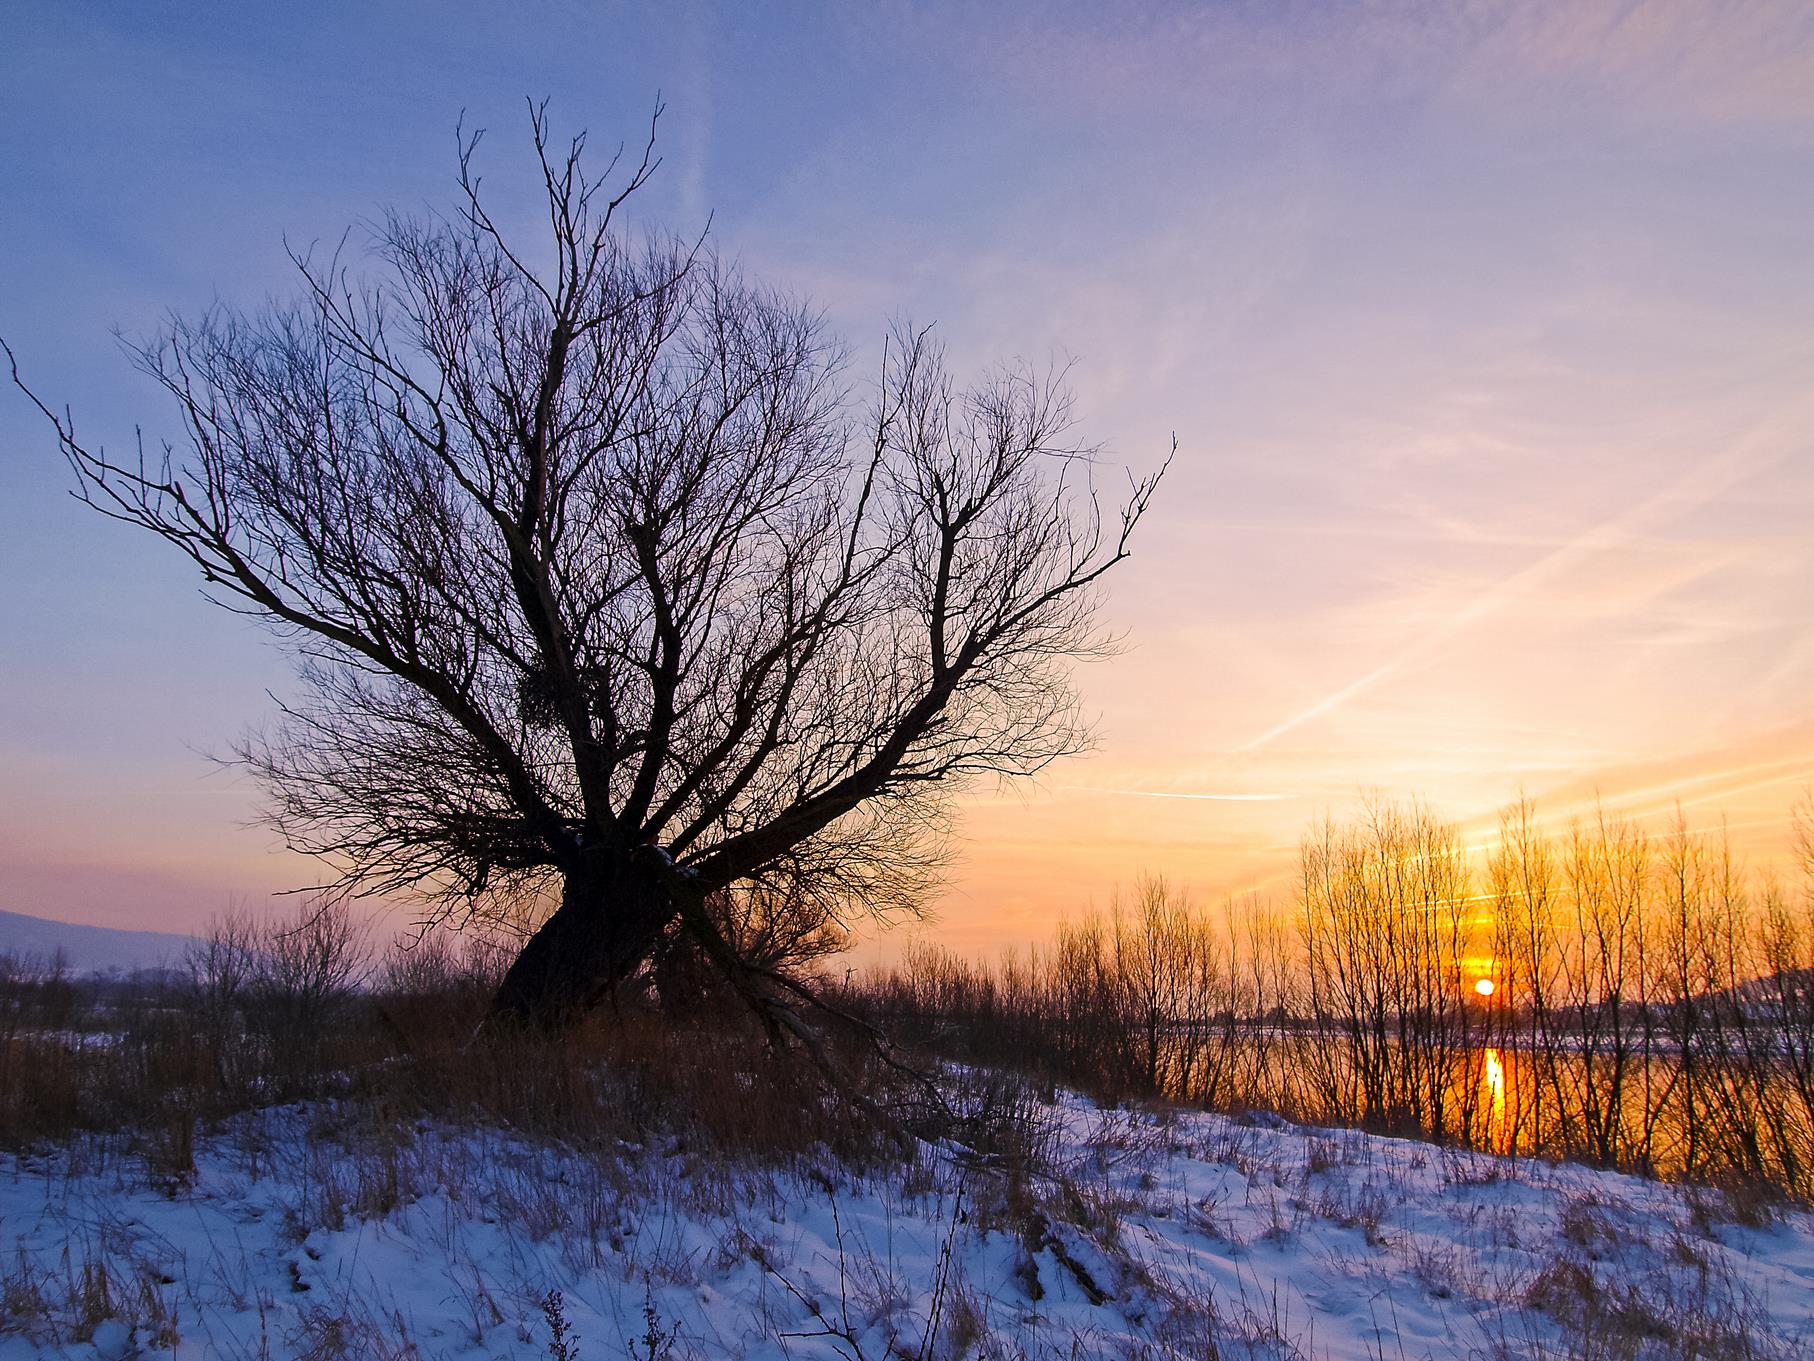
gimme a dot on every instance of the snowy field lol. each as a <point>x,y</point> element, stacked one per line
<point>323,1232</point>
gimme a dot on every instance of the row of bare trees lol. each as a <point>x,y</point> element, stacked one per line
<point>264,993</point>
<point>259,1009</point>
<point>1154,997</point>
<point>1384,924</point>
<point>303,1008</point>
<point>1658,997</point>
<point>1593,991</point>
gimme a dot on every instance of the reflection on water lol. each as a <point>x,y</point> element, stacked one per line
<point>1492,1081</point>
<point>1578,1098</point>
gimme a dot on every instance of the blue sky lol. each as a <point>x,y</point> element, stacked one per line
<point>1486,332</point>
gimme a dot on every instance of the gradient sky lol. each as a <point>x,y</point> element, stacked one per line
<point>1487,333</point>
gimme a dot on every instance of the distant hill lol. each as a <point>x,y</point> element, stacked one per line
<point>90,949</point>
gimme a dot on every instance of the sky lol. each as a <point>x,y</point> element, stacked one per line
<point>1486,333</point>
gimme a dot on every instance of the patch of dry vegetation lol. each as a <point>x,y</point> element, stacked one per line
<point>1651,1004</point>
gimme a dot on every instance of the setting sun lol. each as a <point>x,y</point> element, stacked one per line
<point>1036,593</point>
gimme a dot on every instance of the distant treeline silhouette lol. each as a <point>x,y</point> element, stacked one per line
<point>1651,1008</point>
<point>1651,1001</point>
<point>266,1011</point>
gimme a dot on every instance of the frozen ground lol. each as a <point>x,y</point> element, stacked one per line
<point>326,1232</point>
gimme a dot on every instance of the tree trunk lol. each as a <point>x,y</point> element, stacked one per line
<point>613,910</point>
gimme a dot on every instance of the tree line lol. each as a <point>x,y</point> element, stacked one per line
<point>1651,1000</point>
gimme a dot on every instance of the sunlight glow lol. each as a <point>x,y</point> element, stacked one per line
<point>1176,794</point>
<point>1438,530</point>
<point>1492,1077</point>
<point>1484,986</point>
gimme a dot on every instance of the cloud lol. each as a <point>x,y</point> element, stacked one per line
<point>1669,62</point>
<point>1177,794</point>
<point>1771,441</point>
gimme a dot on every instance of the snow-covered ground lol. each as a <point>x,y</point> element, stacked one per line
<point>321,1232</point>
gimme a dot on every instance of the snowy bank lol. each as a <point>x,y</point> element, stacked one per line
<point>323,1231</point>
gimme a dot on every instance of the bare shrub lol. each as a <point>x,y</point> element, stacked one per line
<point>1644,1002</point>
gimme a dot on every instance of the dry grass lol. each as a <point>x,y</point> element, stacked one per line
<point>160,1060</point>
<point>643,1117</point>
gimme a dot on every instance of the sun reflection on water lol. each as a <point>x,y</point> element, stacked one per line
<point>1492,1079</point>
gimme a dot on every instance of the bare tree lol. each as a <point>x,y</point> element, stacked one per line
<point>606,592</point>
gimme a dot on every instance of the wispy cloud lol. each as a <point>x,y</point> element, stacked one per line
<point>1177,794</point>
<point>1771,441</point>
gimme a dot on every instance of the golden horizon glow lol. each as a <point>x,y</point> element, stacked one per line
<point>1494,412</point>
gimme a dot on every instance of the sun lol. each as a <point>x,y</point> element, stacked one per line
<point>1484,987</point>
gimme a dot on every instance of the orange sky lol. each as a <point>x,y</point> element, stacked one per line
<point>1487,334</point>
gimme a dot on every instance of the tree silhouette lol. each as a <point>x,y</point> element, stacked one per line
<point>606,592</point>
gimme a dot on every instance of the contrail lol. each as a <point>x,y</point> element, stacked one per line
<point>1695,488</point>
<point>1172,794</point>
<point>1336,700</point>
<point>1639,804</point>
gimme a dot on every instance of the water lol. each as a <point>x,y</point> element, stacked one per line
<point>1618,1101</point>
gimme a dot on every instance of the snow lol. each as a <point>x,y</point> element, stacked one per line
<point>322,1231</point>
